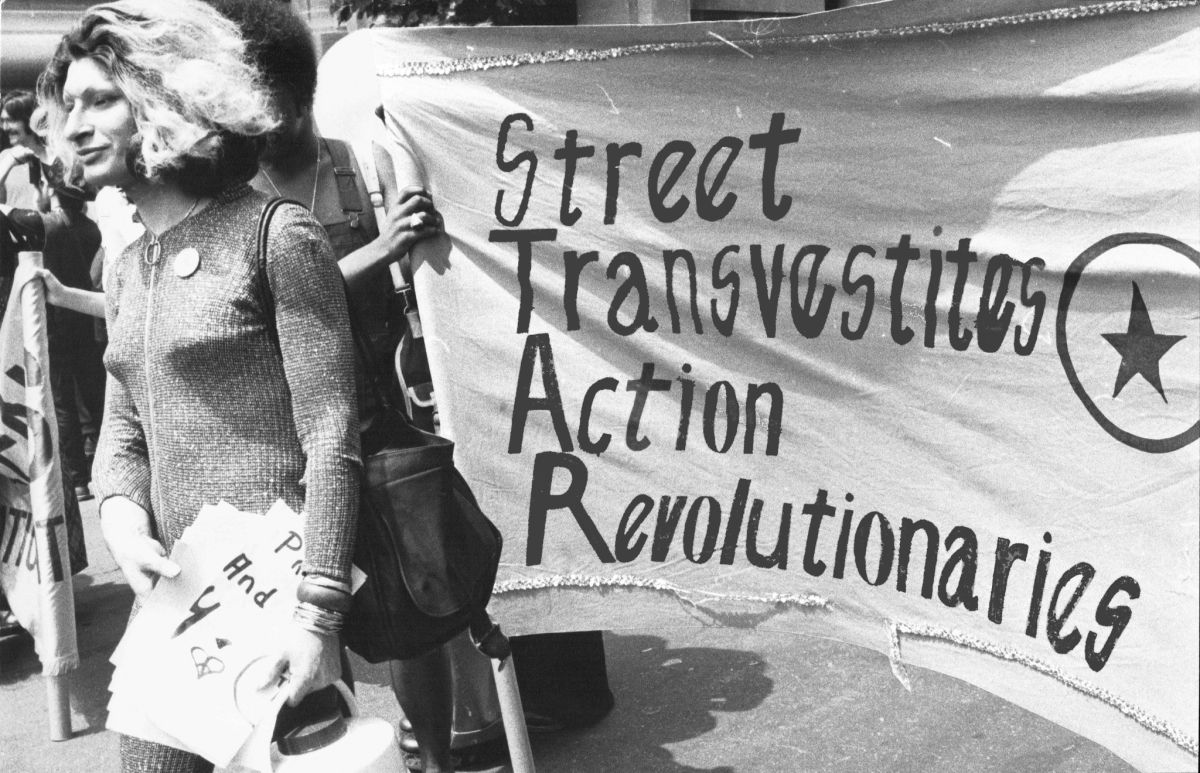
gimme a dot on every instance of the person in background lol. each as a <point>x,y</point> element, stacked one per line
<point>563,676</point>
<point>155,97</point>
<point>11,238</point>
<point>90,302</point>
<point>22,182</point>
<point>117,222</point>
<point>323,174</point>
<point>71,244</point>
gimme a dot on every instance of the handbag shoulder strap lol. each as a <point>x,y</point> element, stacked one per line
<point>264,226</point>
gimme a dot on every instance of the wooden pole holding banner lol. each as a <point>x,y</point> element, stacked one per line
<point>492,642</point>
<point>505,673</point>
<point>58,706</point>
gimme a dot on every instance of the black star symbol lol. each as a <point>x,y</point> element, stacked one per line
<point>1140,347</point>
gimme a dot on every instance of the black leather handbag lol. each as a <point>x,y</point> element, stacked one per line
<point>429,552</point>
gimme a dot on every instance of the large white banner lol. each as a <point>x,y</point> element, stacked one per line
<point>881,324</point>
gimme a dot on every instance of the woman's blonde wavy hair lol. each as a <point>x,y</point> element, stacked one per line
<point>199,104</point>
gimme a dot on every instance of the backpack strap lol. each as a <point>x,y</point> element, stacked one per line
<point>368,160</point>
<point>345,176</point>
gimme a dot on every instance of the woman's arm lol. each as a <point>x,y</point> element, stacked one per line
<point>410,219</point>
<point>89,302</point>
<point>11,158</point>
<point>129,534</point>
<point>121,480</point>
<point>399,229</point>
<point>314,340</point>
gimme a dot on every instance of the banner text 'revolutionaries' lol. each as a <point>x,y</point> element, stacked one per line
<point>869,544</point>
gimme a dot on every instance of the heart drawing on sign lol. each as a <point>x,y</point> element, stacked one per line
<point>206,664</point>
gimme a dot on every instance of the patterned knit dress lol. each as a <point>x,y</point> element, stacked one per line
<point>233,379</point>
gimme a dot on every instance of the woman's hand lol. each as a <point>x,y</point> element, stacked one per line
<point>309,661</point>
<point>73,298</point>
<point>141,558</point>
<point>56,291</point>
<point>18,154</point>
<point>412,219</point>
<point>11,158</point>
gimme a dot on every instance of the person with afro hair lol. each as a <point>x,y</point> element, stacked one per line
<point>297,163</point>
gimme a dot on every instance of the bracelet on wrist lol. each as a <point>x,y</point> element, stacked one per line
<point>326,582</point>
<point>318,620</point>
<point>334,599</point>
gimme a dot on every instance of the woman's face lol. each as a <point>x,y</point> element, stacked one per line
<point>100,124</point>
<point>288,136</point>
<point>16,130</point>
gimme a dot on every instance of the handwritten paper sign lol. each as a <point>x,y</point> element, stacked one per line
<point>185,669</point>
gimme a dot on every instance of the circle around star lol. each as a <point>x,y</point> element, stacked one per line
<point>1070,282</point>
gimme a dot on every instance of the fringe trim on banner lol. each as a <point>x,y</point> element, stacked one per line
<point>480,63</point>
<point>958,638</point>
<point>898,668</point>
<point>700,600</point>
<point>60,666</point>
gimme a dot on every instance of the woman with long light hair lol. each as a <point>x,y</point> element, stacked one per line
<point>230,377</point>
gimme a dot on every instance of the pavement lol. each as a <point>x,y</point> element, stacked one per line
<point>687,701</point>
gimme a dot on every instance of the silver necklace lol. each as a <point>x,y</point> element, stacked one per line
<point>312,206</point>
<point>154,247</point>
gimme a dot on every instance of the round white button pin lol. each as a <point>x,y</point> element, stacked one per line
<point>186,262</point>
